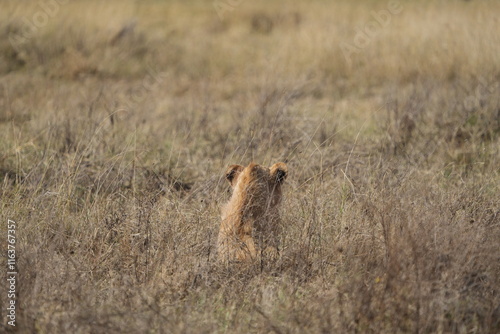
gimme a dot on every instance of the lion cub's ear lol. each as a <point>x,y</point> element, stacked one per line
<point>233,172</point>
<point>279,171</point>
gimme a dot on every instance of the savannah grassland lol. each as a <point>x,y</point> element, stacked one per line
<point>119,118</point>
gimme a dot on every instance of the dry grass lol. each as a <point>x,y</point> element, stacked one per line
<point>118,119</point>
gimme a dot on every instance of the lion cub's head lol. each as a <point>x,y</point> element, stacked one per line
<point>250,220</point>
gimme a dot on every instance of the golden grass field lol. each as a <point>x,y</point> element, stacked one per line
<point>119,118</point>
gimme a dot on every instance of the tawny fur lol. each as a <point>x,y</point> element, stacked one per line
<point>251,220</point>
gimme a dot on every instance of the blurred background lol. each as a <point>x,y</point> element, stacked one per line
<point>119,118</point>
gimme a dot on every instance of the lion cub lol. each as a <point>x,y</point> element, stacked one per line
<point>250,220</point>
